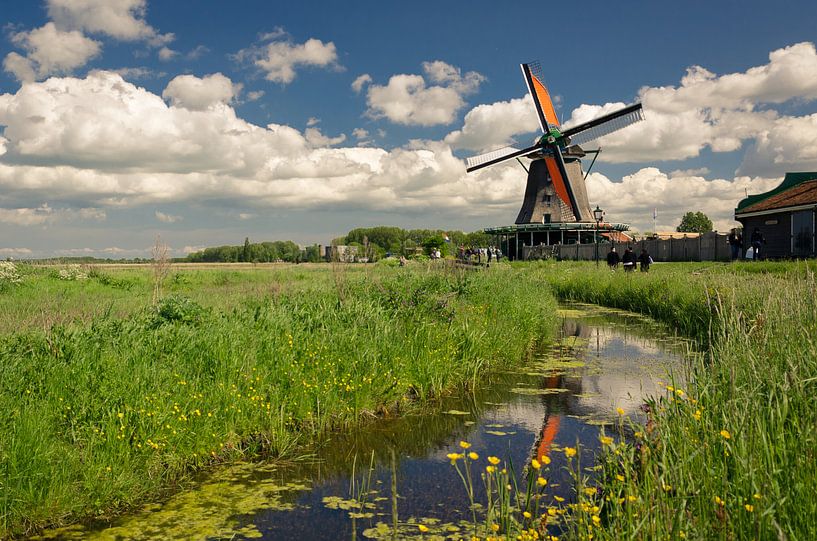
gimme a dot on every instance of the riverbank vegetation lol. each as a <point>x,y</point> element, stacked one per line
<point>732,455</point>
<point>106,400</point>
<point>100,413</point>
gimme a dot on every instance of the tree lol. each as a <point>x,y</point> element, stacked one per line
<point>245,253</point>
<point>695,222</point>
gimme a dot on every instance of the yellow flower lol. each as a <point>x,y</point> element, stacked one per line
<point>465,444</point>
<point>120,414</point>
<point>697,415</point>
<point>495,527</point>
<point>620,477</point>
<point>453,457</point>
<point>545,460</point>
<point>719,501</point>
<point>493,460</point>
<point>541,481</point>
<point>620,411</point>
<point>552,511</point>
<point>590,491</point>
<point>606,440</point>
<point>756,496</point>
<point>473,456</point>
<point>535,464</point>
<point>558,499</point>
<point>490,469</point>
<point>526,514</point>
<point>749,507</point>
<point>726,435</point>
<point>570,452</point>
<point>596,520</point>
<point>422,527</point>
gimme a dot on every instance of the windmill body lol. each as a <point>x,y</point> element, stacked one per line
<point>555,195</point>
<point>542,204</point>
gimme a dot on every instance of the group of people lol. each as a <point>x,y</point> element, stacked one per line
<point>490,253</point>
<point>629,260</point>
<point>757,243</point>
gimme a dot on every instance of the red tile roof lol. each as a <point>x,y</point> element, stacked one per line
<point>801,194</point>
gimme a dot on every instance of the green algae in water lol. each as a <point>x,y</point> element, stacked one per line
<point>410,530</point>
<point>210,511</point>
<point>457,412</point>
<point>526,391</point>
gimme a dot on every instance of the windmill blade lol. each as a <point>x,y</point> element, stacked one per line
<point>604,125</point>
<point>561,182</point>
<point>541,97</point>
<point>495,156</point>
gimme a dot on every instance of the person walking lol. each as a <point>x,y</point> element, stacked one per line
<point>490,255</point>
<point>758,240</point>
<point>628,260</point>
<point>612,259</point>
<point>645,260</point>
<point>735,240</point>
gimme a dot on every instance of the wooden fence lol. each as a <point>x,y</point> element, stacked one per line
<point>706,247</point>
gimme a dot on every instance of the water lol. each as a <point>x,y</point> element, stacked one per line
<point>604,361</point>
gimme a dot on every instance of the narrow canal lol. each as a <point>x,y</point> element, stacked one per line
<point>604,362</point>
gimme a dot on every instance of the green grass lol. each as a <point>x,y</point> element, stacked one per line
<point>733,455</point>
<point>117,402</point>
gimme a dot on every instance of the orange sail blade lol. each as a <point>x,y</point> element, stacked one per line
<point>559,184</point>
<point>543,96</point>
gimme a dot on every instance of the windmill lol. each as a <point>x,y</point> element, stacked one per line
<point>556,166</point>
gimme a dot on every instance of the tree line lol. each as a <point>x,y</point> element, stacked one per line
<point>372,242</point>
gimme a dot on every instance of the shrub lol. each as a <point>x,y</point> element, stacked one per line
<point>9,275</point>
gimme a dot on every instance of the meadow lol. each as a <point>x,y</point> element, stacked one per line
<point>107,401</point>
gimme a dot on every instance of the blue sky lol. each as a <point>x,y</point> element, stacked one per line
<point>206,122</point>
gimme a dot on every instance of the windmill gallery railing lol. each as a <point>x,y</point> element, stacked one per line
<point>706,247</point>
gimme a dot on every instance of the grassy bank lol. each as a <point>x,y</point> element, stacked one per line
<point>733,455</point>
<point>109,409</point>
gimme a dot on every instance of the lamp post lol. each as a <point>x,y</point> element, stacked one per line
<point>598,214</point>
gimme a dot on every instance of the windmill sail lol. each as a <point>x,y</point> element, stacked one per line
<point>495,156</point>
<point>605,125</point>
<point>541,97</point>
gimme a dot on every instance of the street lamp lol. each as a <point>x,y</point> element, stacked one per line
<point>598,214</point>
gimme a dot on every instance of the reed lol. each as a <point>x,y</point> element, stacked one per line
<point>733,455</point>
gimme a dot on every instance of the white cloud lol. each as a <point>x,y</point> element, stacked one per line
<point>315,138</point>
<point>21,67</point>
<point>246,215</point>
<point>166,54</point>
<point>100,142</point>
<point>198,94</point>
<point>44,215</point>
<point>360,82</point>
<point>312,121</point>
<point>495,125</point>
<point>49,51</point>
<point>255,95</point>
<point>406,99</point>
<point>197,52</point>
<point>120,19</point>
<point>719,112</point>
<point>167,218</point>
<point>633,198</point>
<point>279,59</point>
<point>15,252</point>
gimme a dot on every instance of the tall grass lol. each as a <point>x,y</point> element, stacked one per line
<point>733,455</point>
<point>98,416</point>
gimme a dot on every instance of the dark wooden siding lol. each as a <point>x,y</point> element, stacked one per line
<point>778,236</point>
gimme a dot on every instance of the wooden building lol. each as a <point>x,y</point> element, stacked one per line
<point>785,216</point>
